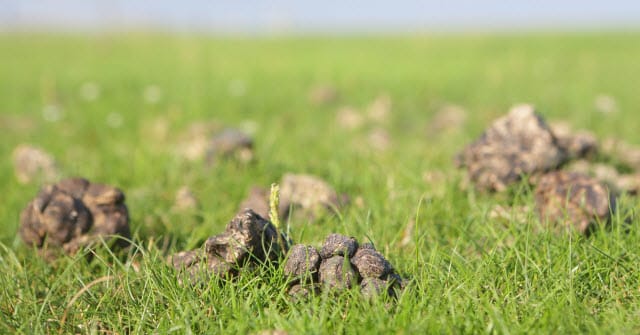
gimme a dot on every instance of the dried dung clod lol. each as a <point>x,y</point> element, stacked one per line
<point>248,238</point>
<point>337,273</point>
<point>578,200</point>
<point>305,196</point>
<point>371,264</point>
<point>231,143</point>
<point>342,266</point>
<point>371,287</point>
<point>209,141</point>
<point>247,235</point>
<point>73,213</point>
<point>515,145</point>
<point>338,245</point>
<point>579,144</point>
<point>34,164</point>
<point>623,152</point>
<point>304,291</point>
<point>309,195</point>
<point>302,260</point>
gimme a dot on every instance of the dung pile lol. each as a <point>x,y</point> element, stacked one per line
<point>248,238</point>
<point>34,164</point>
<point>521,146</point>
<point>74,213</point>
<point>574,198</point>
<point>210,142</point>
<point>515,145</point>
<point>230,143</point>
<point>306,196</point>
<point>323,94</point>
<point>340,264</point>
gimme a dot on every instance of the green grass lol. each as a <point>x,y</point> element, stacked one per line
<point>469,273</point>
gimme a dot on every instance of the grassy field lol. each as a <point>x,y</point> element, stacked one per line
<point>469,273</point>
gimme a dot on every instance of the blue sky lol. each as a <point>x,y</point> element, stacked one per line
<point>330,16</point>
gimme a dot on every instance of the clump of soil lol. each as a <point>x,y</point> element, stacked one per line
<point>518,144</point>
<point>340,264</point>
<point>304,196</point>
<point>248,238</point>
<point>573,199</point>
<point>34,164</point>
<point>74,213</point>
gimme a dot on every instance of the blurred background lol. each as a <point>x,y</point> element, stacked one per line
<point>313,17</point>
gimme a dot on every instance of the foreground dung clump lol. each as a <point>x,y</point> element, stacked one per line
<point>338,273</point>
<point>340,265</point>
<point>73,213</point>
<point>574,199</point>
<point>515,145</point>
<point>302,260</point>
<point>339,245</point>
<point>248,238</point>
<point>306,195</point>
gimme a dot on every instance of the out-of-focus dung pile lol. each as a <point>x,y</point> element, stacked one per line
<point>521,146</point>
<point>34,164</point>
<point>514,146</point>
<point>207,141</point>
<point>577,199</point>
<point>304,196</point>
<point>74,213</point>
